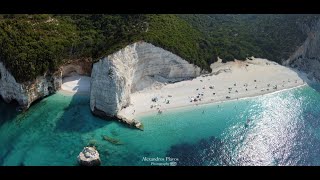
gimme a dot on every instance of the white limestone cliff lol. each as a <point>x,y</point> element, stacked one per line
<point>307,57</point>
<point>27,92</point>
<point>131,69</point>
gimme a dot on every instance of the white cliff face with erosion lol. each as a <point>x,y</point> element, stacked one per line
<point>307,57</point>
<point>136,67</point>
<point>27,92</point>
<point>139,66</point>
<point>9,88</point>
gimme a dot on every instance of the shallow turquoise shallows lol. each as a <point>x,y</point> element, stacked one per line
<point>282,128</point>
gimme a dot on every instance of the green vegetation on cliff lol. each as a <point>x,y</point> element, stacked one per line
<point>177,36</point>
<point>273,37</point>
<point>31,45</point>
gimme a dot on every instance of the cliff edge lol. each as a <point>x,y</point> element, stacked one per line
<point>27,92</point>
<point>307,56</point>
<point>135,67</point>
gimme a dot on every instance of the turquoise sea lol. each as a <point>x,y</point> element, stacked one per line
<point>282,128</point>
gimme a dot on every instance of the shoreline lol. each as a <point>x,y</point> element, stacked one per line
<point>237,80</point>
<point>70,93</point>
<point>146,113</point>
<point>228,82</point>
<point>76,84</point>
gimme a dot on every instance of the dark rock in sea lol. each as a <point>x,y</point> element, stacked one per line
<point>112,140</point>
<point>89,156</point>
<point>114,133</point>
<point>139,125</point>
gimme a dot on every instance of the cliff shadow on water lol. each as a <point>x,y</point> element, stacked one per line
<point>8,111</point>
<point>77,116</point>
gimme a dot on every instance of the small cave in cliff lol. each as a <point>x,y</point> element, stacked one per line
<point>75,79</point>
<point>11,103</point>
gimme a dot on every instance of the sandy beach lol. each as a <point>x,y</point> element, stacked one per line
<point>76,84</point>
<point>228,81</point>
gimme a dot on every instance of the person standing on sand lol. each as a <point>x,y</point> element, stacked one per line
<point>247,123</point>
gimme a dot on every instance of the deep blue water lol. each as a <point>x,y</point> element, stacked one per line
<point>282,128</point>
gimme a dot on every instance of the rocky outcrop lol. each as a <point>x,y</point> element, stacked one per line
<point>79,66</point>
<point>27,92</point>
<point>89,156</point>
<point>307,57</point>
<point>131,69</point>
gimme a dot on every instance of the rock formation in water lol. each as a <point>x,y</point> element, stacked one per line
<point>131,69</point>
<point>89,156</point>
<point>307,57</point>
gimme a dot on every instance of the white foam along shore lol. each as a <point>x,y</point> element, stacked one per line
<point>76,84</point>
<point>228,81</point>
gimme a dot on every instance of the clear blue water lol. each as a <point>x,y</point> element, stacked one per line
<point>276,129</point>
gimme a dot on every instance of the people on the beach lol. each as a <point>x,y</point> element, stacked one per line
<point>236,88</point>
<point>247,123</point>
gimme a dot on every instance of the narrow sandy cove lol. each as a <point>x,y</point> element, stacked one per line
<point>228,81</point>
<point>76,84</point>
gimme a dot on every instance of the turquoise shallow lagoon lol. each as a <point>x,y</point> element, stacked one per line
<point>282,128</point>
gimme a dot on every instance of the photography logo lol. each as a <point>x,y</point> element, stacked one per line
<point>173,163</point>
<point>158,161</point>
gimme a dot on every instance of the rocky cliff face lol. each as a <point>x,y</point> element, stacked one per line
<point>79,66</point>
<point>307,57</point>
<point>27,92</point>
<point>133,68</point>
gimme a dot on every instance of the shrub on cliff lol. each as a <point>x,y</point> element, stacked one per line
<point>31,45</point>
